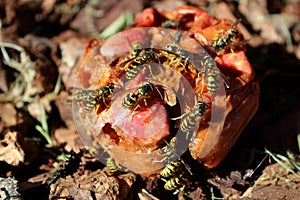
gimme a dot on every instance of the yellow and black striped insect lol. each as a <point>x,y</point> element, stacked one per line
<point>176,182</point>
<point>191,118</point>
<point>212,75</point>
<point>180,55</point>
<point>132,99</point>
<point>170,23</point>
<point>170,154</point>
<point>227,39</point>
<point>134,65</point>
<point>176,170</point>
<point>90,98</point>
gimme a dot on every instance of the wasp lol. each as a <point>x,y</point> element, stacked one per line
<point>90,98</point>
<point>182,56</point>
<point>178,177</point>
<point>132,99</point>
<point>134,65</point>
<point>227,39</point>
<point>170,23</point>
<point>170,154</point>
<point>192,117</point>
<point>176,169</point>
<point>212,75</point>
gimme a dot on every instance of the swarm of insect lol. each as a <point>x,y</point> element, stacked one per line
<point>171,50</point>
<point>177,170</point>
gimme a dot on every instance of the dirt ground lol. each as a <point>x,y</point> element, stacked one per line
<point>41,43</point>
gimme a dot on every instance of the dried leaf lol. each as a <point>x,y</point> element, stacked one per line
<point>11,151</point>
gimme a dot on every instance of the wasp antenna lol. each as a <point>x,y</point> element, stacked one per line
<point>226,81</point>
<point>95,150</point>
<point>236,23</point>
<point>187,167</point>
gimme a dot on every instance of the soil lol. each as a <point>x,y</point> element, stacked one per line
<point>42,42</point>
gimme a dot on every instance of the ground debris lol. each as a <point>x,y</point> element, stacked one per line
<point>228,185</point>
<point>275,183</point>
<point>198,194</point>
<point>271,192</point>
<point>145,195</point>
<point>9,189</point>
<point>11,151</point>
<point>92,185</point>
<point>275,174</point>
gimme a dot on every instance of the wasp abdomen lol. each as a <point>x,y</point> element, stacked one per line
<point>175,182</point>
<point>171,169</point>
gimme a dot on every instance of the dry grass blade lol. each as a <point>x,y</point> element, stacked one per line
<point>22,86</point>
